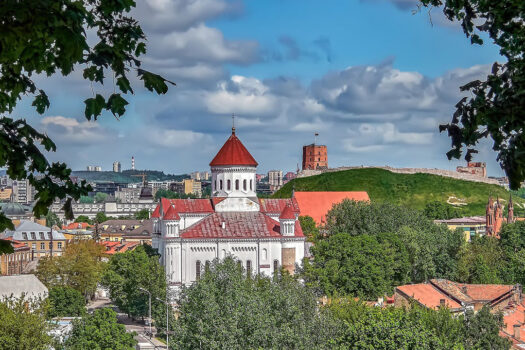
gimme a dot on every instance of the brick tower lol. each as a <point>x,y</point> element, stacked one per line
<point>315,157</point>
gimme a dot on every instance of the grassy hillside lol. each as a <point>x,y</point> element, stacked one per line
<point>412,190</point>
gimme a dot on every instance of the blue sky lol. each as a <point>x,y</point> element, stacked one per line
<point>371,77</point>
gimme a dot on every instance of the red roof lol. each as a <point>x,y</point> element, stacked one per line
<point>171,214</point>
<point>276,206</point>
<point>513,316</point>
<point>287,213</point>
<point>318,204</point>
<point>237,225</point>
<point>428,295</point>
<point>233,152</point>
<point>118,247</point>
<point>76,226</point>
<point>186,206</point>
<point>17,245</point>
<point>156,212</point>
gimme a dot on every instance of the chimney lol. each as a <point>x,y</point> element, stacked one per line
<point>441,302</point>
<point>464,290</point>
<point>223,225</point>
<point>517,331</point>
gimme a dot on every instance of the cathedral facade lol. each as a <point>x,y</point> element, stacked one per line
<point>263,234</point>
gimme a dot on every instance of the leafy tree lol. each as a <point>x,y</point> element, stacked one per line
<point>494,107</point>
<point>309,228</point>
<point>163,193</point>
<point>366,266</point>
<point>84,218</point>
<point>23,324</point>
<point>101,217</point>
<point>128,271</point>
<point>53,220</point>
<point>100,331</point>
<point>86,199</point>
<point>227,310</point>
<point>440,211</point>
<point>66,302</point>
<point>80,267</point>
<point>482,261</point>
<point>482,330</point>
<point>50,38</point>
<point>142,214</point>
<point>100,197</point>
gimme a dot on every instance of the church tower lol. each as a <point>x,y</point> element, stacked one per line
<point>489,213</point>
<point>510,217</point>
<point>233,177</point>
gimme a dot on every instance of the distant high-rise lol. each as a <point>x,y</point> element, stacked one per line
<point>132,163</point>
<point>116,167</point>
<point>93,168</point>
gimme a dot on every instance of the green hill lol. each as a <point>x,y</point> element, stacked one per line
<point>412,190</point>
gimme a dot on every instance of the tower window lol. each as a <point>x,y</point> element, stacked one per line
<point>236,185</point>
<point>248,267</point>
<point>215,185</point>
<point>228,185</point>
<point>275,266</point>
<point>220,183</point>
<point>251,185</point>
<point>244,185</point>
<point>198,270</point>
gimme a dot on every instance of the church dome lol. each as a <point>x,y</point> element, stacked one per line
<point>12,209</point>
<point>233,152</point>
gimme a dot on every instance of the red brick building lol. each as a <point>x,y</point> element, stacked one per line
<point>474,168</point>
<point>315,157</point>
<point>494,215</point>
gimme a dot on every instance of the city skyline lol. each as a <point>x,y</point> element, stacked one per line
<point>376,96</point>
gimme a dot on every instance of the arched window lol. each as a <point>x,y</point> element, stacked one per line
<point>223,253</point>
<point>251,183</point>
<point>228,185</point>
<point>275,266</point>
<point>248,267</point>
<point>207,266</point>
<point>220,184</point>
<point>236,185</point>
<point>198,270</point>
<point>244,184</point>
<point>215,185</point>
<point>264,254</point>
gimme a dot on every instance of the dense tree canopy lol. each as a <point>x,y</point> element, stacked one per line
<point>99,331</point>
<point>495,107</point>
<point>441,211</point>
<point>163,193</point>
<point>66,302</point>
<point>79,267</point>
<point>23,325</point>
<point>49,37</point>
<point>52,219</point>
<point>227,310</point>
<point>128,271</point>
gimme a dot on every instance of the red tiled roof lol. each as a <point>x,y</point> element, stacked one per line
<point>237,225</point>
<point>233,152</point>
<point>76,226</point>
<point>427,295</point>
<point>472,292</point>
<point>171,214</point>
<point>287,213</point>
<point>512,316</point>
<point>156,212</point>
<point>185,206</point>
<point>118,247</point>
<point>317,204</point>
<point>17,245</point>
<point>276,206</point>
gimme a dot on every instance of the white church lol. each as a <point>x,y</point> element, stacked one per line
<point>263,234</point>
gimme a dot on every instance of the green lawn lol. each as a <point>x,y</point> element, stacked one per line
<point>412,190</point>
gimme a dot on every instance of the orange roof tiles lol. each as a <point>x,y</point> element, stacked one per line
<point>118,247</point>
<point>76,226</point>
<point>171,214</point>
<point>427,295</point>
<point>317,204</point>
<point>276,206</point>
<point>233,152</point>
<point>287,213</point>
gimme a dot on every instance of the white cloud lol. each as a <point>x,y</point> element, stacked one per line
<point>176,138</point>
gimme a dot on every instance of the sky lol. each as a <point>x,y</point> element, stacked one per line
<point>374,78</point>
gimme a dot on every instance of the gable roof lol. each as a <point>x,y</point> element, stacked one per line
<point>17,285</point>
<point>171,214</point>
<point>427,295</point>
<point>276,206</point>
<point>233,152</point>
<point>287,213</point>
<point>318,204</point>
<point>237,225</point>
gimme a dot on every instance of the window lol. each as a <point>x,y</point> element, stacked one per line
<point>49,235</point>
<point>229,185</point>
<point>107,239</point>
<point>248,267</point>
<point>236,185</point>
<point>42,235</point>
<point>198,270</point>
<point>264,254</point>
<point>251,187</point>
<point>244,187</point>
<point>207,266</point>
<point>59,245</point>
<point>33,237</point>
<point>275,266</point>
<point>33,246</point>
<point>24,234</point>
<point>42,246</point>
<point>220,183</point>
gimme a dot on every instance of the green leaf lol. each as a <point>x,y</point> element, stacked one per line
<point>117,104</point>
<point>94,107</point>
<point>154,81</point>
<point>124,85</point>
<point>41,102</point>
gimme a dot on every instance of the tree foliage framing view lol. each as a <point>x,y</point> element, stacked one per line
<point>50,37</point>
<point>496,108</point>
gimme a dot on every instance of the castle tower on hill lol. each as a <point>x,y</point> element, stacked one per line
<point>494,216</point>
<point>315,157</point>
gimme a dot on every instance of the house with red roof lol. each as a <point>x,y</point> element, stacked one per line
<point>263,234</point>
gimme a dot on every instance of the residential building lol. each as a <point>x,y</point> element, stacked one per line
<point>5,194</point>
<point>42,240</point>
<point>18,285</point>
<point>187,186</point>
<point>93,168</point>
<point>514,325</point>
<point>474,168</point>
<point>126,231</point>
<point>77,231</point>
<point>264,235</point>
<point>117,168</point>
<point>127,195</point>
<point>275,179</point>
<point>14,263</point>
<point>23,192</point>
<point>458,297</point>
<point>318,204</point>
<point>315,157</point>
<point>471,226</point>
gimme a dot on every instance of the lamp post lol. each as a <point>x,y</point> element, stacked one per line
<point>167,321</point>
<point>149,313</point>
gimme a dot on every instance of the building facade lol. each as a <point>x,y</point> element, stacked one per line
<point>264,235</point>
<point>315,157</point>
<point>14,263</point>
<point>23,192</point>
<point>42,240</point>
<point>117,168</point>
